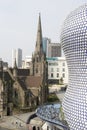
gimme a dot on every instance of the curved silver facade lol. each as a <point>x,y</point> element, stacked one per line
<point>74,43</point>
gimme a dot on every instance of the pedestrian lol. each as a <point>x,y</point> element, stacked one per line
<point>16,123</point>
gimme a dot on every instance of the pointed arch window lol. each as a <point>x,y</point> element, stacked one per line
<point>36,70</point>
<point>37,59</point>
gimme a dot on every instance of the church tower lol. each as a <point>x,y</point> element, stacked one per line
<point>38,56</point>
<point>15,69</point>
<point>39,64</point>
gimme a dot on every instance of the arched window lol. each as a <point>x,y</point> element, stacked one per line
<point>34,127</point>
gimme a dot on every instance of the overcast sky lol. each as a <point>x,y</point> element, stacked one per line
<point>19,19</point>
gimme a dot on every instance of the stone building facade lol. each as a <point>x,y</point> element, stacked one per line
<point>26,88</point>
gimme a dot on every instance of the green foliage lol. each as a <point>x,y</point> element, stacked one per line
<point>61,114</point>
<point>61,81</point>
<point>52,98</point>
<point>62,117</point>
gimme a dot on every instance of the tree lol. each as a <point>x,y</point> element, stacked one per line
<point>61,80</point>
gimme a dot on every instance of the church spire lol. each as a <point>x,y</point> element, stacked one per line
<point>39,36</point>
<point>15,69</point>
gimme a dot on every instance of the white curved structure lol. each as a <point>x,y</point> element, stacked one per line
<point>74,43</point>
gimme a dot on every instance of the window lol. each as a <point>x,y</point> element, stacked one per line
<point>63,75</point>
<point>37,59</point>
<point>51,74</point>
<point>52,70</point>
<point>57,75</point>
<point>34,127</point>
<point>28,63</point>
<point>38,128</point>
<point>57,69</point>
<point>63,69</point>
<point>36,70</point>
<point>47,127</point>
<point>63,63</point>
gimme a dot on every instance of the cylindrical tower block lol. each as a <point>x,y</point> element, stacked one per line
<point>74,43</point>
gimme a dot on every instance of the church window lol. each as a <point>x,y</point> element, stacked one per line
<point>15,93</point>
<point>27,102</point>
<point>38,128</point>
<point>36,70</point>
<point>37,59</point>
<point>34,127</point>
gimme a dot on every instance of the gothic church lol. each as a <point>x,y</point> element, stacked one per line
<point>26,88</point>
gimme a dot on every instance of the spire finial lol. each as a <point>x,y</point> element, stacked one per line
<point>39,36</point>
<point>39,14</point>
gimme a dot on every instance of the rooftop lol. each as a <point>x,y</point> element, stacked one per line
<point>51,114</point>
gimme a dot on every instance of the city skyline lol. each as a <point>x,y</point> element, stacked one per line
<point>19,20</point>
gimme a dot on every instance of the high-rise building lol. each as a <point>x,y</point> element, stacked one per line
<point>17,54</point>
<point>45,42</point>
<point>13,57</point>
<point>26,63</point>
<point>51,49</point>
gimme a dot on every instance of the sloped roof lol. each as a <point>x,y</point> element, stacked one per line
<point>21,72</point>
<point>30,82</point>
<point>22,83</point>
<point>34,91</point>
<point>33,81</point>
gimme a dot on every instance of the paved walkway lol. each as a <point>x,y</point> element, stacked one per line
<point>16,122</point>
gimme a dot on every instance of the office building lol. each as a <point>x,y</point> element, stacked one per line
<point>13,57</point>
<point>26,63</point>
<point>57,70</point>
<point>53,49</point>
<point>17,54</point>
<point>45,42</point>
